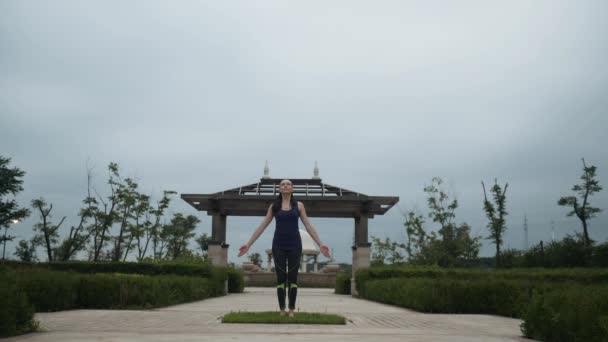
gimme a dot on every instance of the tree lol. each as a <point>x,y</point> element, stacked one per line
<point>203,242</point>
<point>26,251</point>
<point>11,182</point>
<point>452,244</point>
<point>582,207</point>
<point>154,229</point>
<point>136,229</point>
<point>496,213</point>
<point>103,219</point>
<point>416,236</point>
<point>456,242</point>
<point>46,233</point>
<point>387,251</point>
<point>79,235</point>
<point>178,232</point>
<point>256,259</point>
<point>127,198</point>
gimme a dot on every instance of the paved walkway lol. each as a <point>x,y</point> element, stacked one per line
<point>200,321</point>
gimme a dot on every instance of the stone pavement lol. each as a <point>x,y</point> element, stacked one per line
<point>200,321</point>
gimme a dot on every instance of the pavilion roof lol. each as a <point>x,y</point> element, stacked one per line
<point>320,199</point>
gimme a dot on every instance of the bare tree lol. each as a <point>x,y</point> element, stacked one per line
<point>46,232</point>
<point>104,219</point>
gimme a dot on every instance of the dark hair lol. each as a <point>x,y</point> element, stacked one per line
<point>276,205</point>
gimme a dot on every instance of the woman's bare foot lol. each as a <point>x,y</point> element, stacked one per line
<point>282,312</point>
<point>291,314</point>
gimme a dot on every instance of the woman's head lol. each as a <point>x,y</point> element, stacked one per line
<point>285,191</point>
<point>285,187</point>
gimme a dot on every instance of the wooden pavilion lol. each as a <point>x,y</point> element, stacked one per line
<point>319,198</point>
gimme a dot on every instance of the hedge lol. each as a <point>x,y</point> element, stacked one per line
<point>236,280</point>
<point>26,288</point>
<point>216,273</point>
<point>572,314</point>
<point>579,275</point>
<point>342,283</point>
<point>193,270</point>
<point>56,290</point>
<point>570,307</point>
<point>16,312</point>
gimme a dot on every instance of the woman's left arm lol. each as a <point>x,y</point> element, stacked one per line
<point>311,230</point>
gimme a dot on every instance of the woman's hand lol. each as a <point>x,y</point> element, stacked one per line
<point>244,248</point>
<point>324,249</point>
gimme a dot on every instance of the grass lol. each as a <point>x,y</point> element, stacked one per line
<point>274,317</point>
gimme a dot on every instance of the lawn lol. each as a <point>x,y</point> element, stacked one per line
<point>274,317</point>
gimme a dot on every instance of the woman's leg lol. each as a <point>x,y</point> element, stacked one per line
<point>280,267</point>
<point>293,260</point>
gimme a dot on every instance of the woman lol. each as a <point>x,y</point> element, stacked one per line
<point>286,243</point>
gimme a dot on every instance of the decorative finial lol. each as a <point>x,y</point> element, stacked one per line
<point>266,170</point>
<point>316,171</point>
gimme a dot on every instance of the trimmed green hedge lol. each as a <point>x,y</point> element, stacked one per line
<point>342,283</point>
<point>55,290</point>
<point>573,314</point>
<point>193,270</point>
<point>491,296</point>
<point>215,273</point>
<point>580,275</point>
<point>16,312</point>
<point>556,305</point>
<point>236,281</point>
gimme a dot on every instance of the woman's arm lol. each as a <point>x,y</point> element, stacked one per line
<point>267,219</point>
<point>311,230</point>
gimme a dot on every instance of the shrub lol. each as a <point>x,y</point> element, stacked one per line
<point>167,267</point>
<point>445,295</point>
<point>16,313</point>
<point>342,283</point>
<point>55,290</point>
<point>570,314</point>
<point>557,305</point>
<point>236,280</point>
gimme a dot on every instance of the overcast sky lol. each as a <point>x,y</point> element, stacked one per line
<point>194,96</point>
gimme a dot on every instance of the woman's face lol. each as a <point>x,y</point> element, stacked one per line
<point>285,187</point>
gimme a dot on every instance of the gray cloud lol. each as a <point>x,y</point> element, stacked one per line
<point>195,96</point>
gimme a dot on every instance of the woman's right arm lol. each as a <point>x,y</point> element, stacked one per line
<point>258,231</point>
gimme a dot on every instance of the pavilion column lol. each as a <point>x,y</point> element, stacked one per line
<point>303,268</point>
<point>218,249</point>
<point>315,265</point>
<point>361,249</point>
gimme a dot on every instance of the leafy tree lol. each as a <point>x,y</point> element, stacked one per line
<point>26,251</point>
<point>203,242</point>
<point>452,244</point>
<point>496,213</point>
<point>127,200</point>
<point>387,251</point>
<point>416,236</point>
<point>46,234</point>
<point>178,232</point>
<point>456,241</point>
<point>79,235</point>
<point>139,221</point>
<point>256,259</point>
<point>104,218</point>
<point>11,182</point>
<point>154,230</point>
<point>581,206</point>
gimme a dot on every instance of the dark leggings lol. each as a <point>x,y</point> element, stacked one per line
<point>286,265</point>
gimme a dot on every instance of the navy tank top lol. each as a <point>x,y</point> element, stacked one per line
<point>287,233</point>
